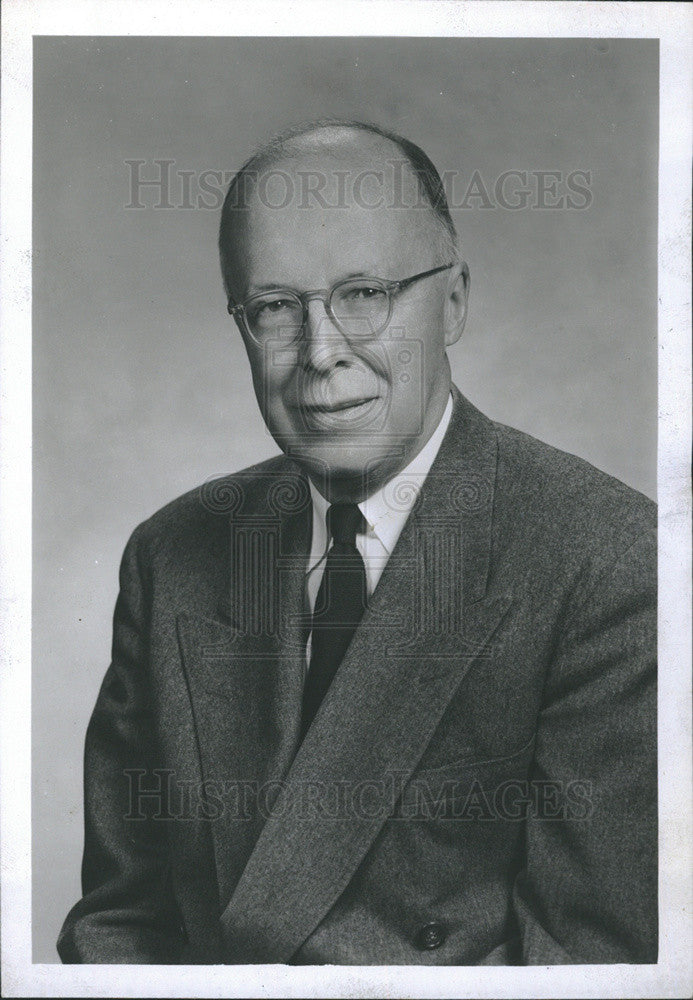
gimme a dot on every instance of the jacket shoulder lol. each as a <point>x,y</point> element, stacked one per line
<point>545,492</point>
<point>202,512</point>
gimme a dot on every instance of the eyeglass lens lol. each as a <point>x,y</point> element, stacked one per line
<point>361,308</point>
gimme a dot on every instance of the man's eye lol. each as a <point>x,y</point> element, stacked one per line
<point>270,307</point>
<point>276,305</point>
<point>364,292</point>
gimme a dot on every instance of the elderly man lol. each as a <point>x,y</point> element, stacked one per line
<point>387,698</point>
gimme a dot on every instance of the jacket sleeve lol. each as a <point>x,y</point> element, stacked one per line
<point>588,893</point>
<point>127,913</point>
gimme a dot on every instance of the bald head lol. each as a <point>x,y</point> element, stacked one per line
<point>338,165</point>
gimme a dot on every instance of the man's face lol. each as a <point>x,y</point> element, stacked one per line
<point>352,411</point>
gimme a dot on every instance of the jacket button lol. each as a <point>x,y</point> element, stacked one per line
<point>430,936</point>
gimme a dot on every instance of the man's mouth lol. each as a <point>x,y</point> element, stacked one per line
<point>339,406</point>
<point>351,414</point>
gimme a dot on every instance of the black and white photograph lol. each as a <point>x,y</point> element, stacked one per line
<point>346,613</point>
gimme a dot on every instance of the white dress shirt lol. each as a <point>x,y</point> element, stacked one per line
<point>385,513</point>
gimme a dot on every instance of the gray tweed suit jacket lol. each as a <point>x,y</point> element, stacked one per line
<point>479,785</point>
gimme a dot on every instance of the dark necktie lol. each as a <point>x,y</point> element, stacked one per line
<point>340,603</point>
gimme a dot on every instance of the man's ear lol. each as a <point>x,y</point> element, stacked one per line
<point>456,303</point>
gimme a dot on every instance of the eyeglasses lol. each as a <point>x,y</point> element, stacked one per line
<point>359,307</point>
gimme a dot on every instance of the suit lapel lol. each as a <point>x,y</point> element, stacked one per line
<point>427,622</point>
<point>245,670</point>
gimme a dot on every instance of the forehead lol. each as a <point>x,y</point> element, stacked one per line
<point>322,213</point>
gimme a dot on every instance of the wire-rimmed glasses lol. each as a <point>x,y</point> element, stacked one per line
<point>359,307</point>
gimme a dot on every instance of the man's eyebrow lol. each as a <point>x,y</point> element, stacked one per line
<point>366,272</point>
<point>253,289</point>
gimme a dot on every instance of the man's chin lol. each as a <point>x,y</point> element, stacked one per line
<point>344,466</point>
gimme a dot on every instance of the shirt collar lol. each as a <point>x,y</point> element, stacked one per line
<point>386,511</point>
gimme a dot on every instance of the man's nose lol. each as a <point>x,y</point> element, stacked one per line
<point>323,343</point>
